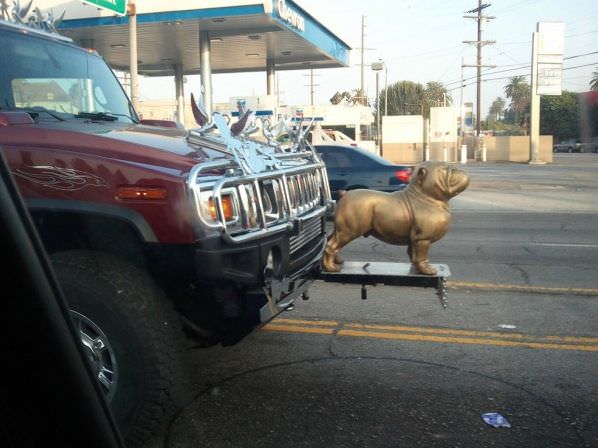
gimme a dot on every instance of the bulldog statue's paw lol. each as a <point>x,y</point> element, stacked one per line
<point>424,267</point>
<point>329,265</point>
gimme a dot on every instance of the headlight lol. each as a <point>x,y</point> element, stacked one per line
<point>228,208</point>
<point>212,212</point>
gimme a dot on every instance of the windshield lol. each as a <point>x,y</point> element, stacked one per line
<point>371,156</point>
<point>66,81</point>
<point>358,155</point>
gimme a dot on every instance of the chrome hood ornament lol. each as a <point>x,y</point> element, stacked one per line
<point>20,15</point>
<point>251,156</point>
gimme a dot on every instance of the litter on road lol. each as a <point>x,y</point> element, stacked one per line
<point>496,420</point>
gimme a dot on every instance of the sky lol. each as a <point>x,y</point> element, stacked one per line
<point>421,41</point>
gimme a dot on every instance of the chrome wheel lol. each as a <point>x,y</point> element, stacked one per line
<point>99,353</point>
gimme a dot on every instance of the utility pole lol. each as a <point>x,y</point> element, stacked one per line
<point>479,43</point>
<point>362,50</point>
<point>461,131</point>
<point>278,91</point>
<point>362,97</point>
<point>311,86</point>
<point>385,89</point>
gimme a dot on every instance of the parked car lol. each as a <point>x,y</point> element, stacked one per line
<point>594,145</point>
<point>570,145</point>
<point>350,168</point>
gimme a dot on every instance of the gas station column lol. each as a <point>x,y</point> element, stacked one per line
<point>270,78</point>
<point>180,93</point>
<point>132,14</point>
<point>205,68</point>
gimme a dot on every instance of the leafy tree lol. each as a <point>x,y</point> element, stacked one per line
<point>504,128</point>
<point>559,115</point>
<point>404,98</point>
<point>518,91</point>
<point>411,98</point>
<point>594,80</point>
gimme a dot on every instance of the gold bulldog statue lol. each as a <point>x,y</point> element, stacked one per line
<point>414,217</point>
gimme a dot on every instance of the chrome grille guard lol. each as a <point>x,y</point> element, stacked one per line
<point>259,189</point>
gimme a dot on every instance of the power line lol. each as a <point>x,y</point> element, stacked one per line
<point>581,55</point>
<point>579,66</point>
<point>450,67</point>
<point>515,74</point>
<point>581,34</point>
<point>510,8</point>
<point>522,66</point>
<point>427,53</point>
<point>528,42</point>
<point>490,73</point>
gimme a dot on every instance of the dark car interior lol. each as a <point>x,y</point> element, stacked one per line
<point>48,396</point>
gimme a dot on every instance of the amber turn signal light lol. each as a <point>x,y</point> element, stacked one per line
<point>141,193</point>
<point>227,208</point>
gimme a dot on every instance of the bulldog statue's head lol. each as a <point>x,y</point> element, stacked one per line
<point>439,180</point>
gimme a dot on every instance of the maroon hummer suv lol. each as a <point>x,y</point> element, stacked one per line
<point>153,230</point>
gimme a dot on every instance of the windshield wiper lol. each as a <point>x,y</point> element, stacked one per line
<point>103,116</point>
<point>35,110</point>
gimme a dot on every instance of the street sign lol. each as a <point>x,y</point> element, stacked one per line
<point>550,78</point>
<point>118,7</point>
<point>549,57</point>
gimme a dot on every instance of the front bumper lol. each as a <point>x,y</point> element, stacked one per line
<point>256,294</point>
<point>295,249</point>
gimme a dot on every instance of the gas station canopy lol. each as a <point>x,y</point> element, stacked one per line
<point>245,35</point>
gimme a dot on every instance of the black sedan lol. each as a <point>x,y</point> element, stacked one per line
<point>350,168</point>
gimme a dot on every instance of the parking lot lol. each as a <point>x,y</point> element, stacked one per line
<point>519,337</point>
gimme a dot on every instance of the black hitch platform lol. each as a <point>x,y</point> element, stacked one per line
<point>388,273</point>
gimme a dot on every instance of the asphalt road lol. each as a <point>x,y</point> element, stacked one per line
<point>519,337</point>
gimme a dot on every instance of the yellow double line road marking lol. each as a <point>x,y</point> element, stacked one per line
<point>524,288</point>
<point>436,335</point>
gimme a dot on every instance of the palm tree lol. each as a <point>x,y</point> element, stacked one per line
<point>436,94</point>
<point>518,91</point>
<point>594,80</point>
<point>496,109</point>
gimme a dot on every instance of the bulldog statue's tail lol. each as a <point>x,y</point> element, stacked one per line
<point>414,217</point>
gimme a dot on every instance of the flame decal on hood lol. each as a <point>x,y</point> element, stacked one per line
<point>57,178</point>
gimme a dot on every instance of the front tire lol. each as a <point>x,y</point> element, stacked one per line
<point>132,337</point>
